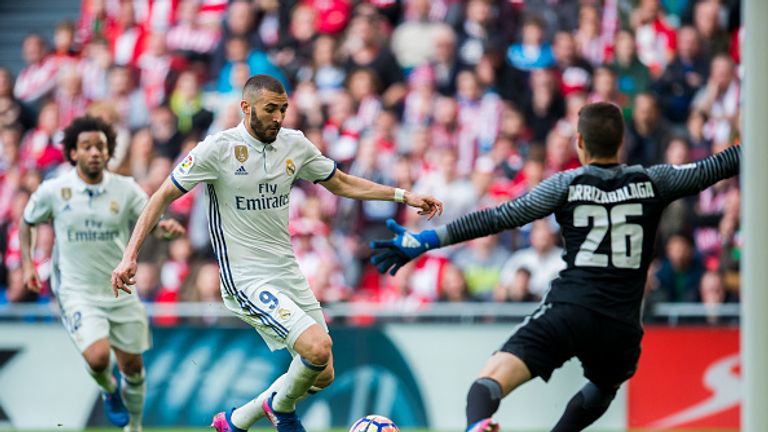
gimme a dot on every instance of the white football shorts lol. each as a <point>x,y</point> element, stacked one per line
<point>125,324</point>
<point>274,315</point>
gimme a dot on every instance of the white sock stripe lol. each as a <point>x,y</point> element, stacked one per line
<point>314,367</point>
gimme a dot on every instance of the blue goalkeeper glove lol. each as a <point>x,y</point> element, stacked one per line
<point>393,254</point>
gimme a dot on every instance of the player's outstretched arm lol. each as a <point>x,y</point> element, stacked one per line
<point>124,273</point>
<point>354,187</point>
<point>544,199</point>
<point>677,181</point>
<point>31,278</point>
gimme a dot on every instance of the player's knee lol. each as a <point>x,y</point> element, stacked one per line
<point>326,378</point>
<point>597,397</point>
<point>319,351</point>
<point>133,366</point>
<point>97,359</point>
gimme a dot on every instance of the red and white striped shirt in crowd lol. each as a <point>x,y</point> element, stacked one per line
<point>212,11</point>
<point>367,112</point>
<point>154,72</point>
<point>36,80</point>
<point>190,38</point>
<point>70,107</point>
<point>95,79</point>
<point>128,46</point>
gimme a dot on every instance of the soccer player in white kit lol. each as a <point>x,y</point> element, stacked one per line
<point>248,172</point>
<point>92,211</point>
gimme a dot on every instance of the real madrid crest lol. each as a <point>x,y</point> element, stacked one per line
<point>66,193</point>
<point>114,207</point>
<point>290,167</point>
<point>241,153</point>
<point>284,313</point>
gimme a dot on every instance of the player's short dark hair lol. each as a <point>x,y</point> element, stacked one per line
<point>260,82</point>
<point>87,124</point>
<point>602,127</point>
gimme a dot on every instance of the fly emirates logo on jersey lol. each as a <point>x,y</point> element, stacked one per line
<point>93,232</point>
<point>268,199</point>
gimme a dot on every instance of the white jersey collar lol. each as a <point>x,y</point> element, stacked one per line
<point>250,140</point>
<point>82,186</point>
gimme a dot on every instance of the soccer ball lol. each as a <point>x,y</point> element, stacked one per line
<point>374,423</point>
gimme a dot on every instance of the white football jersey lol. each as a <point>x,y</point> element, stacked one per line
<point>92,224</point>
<point>247,185</point>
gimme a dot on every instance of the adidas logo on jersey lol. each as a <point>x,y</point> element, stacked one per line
<point>241,171</point>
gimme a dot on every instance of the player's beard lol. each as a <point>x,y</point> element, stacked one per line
<point>260,129</point>
<point>94,171</point>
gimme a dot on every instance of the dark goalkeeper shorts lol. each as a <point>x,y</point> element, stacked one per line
<point>608,349</point>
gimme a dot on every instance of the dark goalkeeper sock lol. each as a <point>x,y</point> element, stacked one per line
<point>584,408</point>
<point>482,400</point>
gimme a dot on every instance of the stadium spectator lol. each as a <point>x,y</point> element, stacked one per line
<point>324,69</point>
<point>719,99</point>
<point>480,263</point>
<point>446,64</point>
<point>191,36</point>
<point>69,96</point>
<point>632,76</point>
<point>680,272</point>
<point>38,78</point>
<point>575,73</point>
<point>94,66</point>
<point>655,37</point>
<point>365,50</point>
<point>646,133</point>
<point>713,295</point>
<point>589,39</point>
<point>706,19</point>
<point>526,275</point>
<point>605,88</point>
<point>40,149</point>
<point>477,32</point>
<point>683,76</point>
<point>239,23</point>
<point>127,39</point>
<point>544,105</point>
<point>12,114</point>
<point>532,52</point>
<point>413,41</point>
<point>445,183</point>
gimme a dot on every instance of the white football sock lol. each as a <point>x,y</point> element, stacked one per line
<point>106,381</point>
<point>133,392</point>
<point>248,414</point>
<point>300,377</point>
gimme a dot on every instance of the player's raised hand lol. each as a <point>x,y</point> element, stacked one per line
<point>405,246</point>
<point>170,229</point>
<point>124,275</point>
<point>429,205</point>
<point>31,279</point>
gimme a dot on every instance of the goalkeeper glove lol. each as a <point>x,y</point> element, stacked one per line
<point>405,246</point>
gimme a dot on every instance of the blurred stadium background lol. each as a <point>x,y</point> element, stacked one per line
<point>473,101</point>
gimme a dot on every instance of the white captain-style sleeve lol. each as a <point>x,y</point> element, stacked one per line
<point>39,208</point>
<point>315,166</point>
<point>136,200</point>
<point>201,165</point>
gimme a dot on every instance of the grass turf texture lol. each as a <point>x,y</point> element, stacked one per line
<point>404,430</point>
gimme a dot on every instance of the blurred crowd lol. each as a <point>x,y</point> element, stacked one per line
<point>473,101</point>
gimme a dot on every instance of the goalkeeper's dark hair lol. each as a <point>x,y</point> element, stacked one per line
<point>602,127</point>
<point>260,82</point>
<point>87,124</point>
